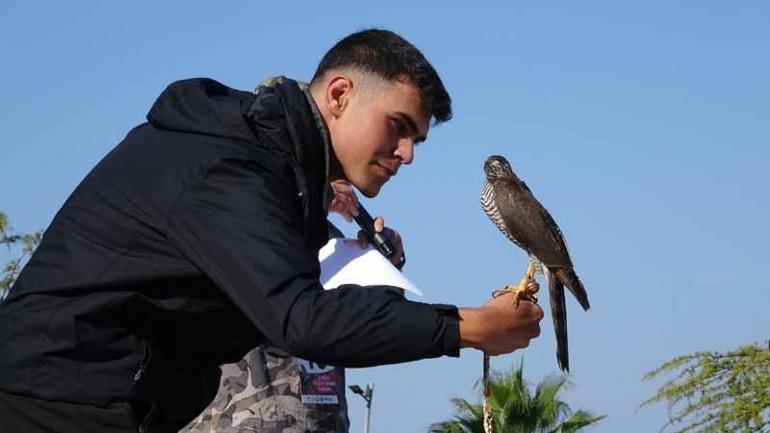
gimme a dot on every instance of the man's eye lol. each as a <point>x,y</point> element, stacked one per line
<point>400,127</point>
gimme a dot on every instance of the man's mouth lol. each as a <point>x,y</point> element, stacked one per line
<point>388,171</point>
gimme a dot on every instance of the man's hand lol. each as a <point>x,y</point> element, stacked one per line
<point>345,201</point>
<point>398,258</point>
<point>498,326</point>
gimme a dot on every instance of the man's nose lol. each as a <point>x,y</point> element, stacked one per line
<point>405,150</point>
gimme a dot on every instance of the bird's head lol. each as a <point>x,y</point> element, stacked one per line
<point>497,167</point>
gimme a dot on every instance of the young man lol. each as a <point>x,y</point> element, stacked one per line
<point>205,222</point>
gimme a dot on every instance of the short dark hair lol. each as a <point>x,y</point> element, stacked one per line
<point>390,57</point>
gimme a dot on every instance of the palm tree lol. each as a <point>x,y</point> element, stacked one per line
<point>515,410</point>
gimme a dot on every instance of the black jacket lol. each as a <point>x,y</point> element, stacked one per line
<point>192,241</point>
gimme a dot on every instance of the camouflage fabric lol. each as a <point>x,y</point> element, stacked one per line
<point>261,393</point>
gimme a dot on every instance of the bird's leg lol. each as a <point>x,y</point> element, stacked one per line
<point>527,288</point>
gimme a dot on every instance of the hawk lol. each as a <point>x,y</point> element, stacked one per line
<point>522,219</point>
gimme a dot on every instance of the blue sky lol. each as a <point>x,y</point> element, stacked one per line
<point>643,127</point>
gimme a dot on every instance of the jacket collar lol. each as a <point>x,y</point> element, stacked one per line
<point>298,120</point>
<point>328,192</point>
<point>284,114</point>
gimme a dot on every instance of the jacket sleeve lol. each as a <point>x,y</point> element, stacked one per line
<point>241,226</point>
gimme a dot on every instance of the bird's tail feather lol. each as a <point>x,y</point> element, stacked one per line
<point>559,317</point>
<point>569,278</point>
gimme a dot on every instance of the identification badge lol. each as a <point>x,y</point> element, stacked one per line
<point>318,383</point>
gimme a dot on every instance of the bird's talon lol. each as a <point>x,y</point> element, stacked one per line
<point>508,288</point>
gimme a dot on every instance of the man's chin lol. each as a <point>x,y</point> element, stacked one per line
<point>369,191</point>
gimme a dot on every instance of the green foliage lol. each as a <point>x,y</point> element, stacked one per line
<point>515,409</point>
<point>717,392</point>
<point>20,246</point>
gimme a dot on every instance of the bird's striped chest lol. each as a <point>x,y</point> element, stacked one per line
<point>493,212</point>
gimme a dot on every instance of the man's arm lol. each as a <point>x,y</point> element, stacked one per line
<point>497,329</point>
<point>241,225</point>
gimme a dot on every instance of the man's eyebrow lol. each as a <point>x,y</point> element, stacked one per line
<point>412,126</point>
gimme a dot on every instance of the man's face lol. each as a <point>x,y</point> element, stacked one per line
<point>375,132</point>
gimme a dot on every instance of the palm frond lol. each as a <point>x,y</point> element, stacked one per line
<point>516,409</point>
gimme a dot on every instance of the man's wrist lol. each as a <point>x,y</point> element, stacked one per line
<point>470,335</point>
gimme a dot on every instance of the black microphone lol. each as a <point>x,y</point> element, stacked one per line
<point>378,239</point>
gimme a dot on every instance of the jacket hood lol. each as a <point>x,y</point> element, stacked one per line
<point>203,106</point>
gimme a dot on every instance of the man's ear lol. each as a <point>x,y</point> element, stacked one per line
<point>338,93</point>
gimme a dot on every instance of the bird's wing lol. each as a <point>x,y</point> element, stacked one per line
<point>555,232</point>
<point>533,226</point>
<point>530,224</point>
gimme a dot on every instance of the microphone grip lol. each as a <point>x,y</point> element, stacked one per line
<point>377,239</point>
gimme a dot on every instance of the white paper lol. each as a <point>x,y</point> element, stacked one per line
<point>343,261</point>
